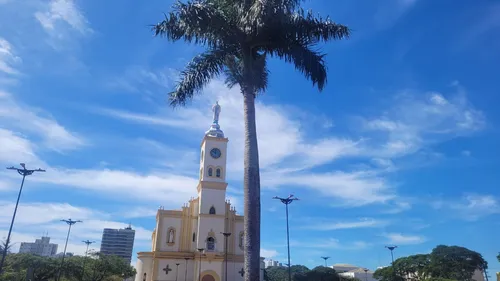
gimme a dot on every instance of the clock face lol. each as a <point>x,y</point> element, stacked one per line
<point>215,153</point>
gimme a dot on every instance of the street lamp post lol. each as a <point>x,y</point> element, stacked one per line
<point>391,248</point>
<point>176,271</point>
<point>70,223</point>
<point>23,172</point>
<point>88,243</point>
<point>325,258</point>
<point>226,237</point>
<point>200,250</point>
<point>287,201</point>
<point>366,274</point>
<point>186,272</point>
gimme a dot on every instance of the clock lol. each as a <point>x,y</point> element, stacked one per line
<point>215,153</point>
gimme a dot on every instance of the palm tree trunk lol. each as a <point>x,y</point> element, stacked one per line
<point>251,183</point>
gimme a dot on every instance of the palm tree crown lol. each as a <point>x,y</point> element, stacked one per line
<point>239,35</point>
<point>240,31</point>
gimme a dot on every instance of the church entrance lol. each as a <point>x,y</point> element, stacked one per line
<point>208,277</point>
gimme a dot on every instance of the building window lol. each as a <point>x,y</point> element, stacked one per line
<point>201,173</point>
<point>210,172</point>
<point>212,210</point>
<point>194,237</point>
<point>210,244</point>
<point>217,172</point>
<point>201,158</point>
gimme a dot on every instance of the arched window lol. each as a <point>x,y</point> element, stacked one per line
<point>240,244</point>
<point>194,237</point>
<point>210,244</point>
<point>212,210</point>
<point>217,172</point>
<point>210,172</point>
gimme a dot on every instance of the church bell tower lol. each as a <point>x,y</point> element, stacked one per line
<point>212,181</point>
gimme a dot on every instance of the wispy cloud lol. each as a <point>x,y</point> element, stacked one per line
<point>362,223</point>
<point>62,12</point>
<point>7,58</point>
<point>403,239</point>
<point>54,136</point>
<point>471,206</point>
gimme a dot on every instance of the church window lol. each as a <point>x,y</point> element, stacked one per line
<point>210,244</point>
<point>217,172</point>
<point>194,237</point>
<point>210,172</point>
<point>240,244</point>
<point>212,211</point>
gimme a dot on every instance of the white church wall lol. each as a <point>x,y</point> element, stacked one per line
<point>233,271</point>
<point>213,197</point>
<point>213,224</point>
<point>180,270</point>
<point>166,223</point>
<point>142,266</point>
<point>212,266</point>
<point>238,228</point>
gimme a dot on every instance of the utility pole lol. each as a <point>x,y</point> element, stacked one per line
<point>287,201</point>
<point>176,271</point>
<point>186,270</point>
<point>23,172</point>
<point>226,237</point>
<point>70,223</point>
<point>88,243</point>
<point>325,258</point>
<point>391,248</point>
<point>200,250</point>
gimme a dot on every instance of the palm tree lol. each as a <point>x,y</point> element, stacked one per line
<point>239,36</point>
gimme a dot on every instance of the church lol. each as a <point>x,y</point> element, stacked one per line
<point>204,240</point>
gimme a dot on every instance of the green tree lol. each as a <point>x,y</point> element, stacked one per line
<point>387,274</point>
<point>454,262</point>
<point>3,244</point>
<point>97,268</point>
<point>415,267</point>
<point>239,36</point>
<point>319,273</point>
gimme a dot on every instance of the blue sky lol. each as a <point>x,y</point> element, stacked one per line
<point>400,148</point>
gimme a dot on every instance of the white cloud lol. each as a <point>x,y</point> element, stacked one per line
<point>156,187</point>
<point>330,243</point>
<point>36,218</point>
<point>268,254</point>
<point>402,239</point>
<point>363,223</point>
<point>54,136</point>
<point>471,206</point>
<point>416,120</point>
<point>62,11</point>
<point>7,58</point>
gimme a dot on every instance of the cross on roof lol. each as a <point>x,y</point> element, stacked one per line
<point>167,269</point>
<point>242,272</point>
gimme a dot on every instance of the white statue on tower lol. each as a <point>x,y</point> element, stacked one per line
<point>216,111</point>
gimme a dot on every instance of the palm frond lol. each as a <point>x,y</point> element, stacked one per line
<point>260,73</point>
<point>307,61</point>
<point>200,22</point>
<point>305,26</point>
<point>197,74</point>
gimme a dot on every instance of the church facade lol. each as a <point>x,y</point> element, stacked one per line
<point>192,244</point>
